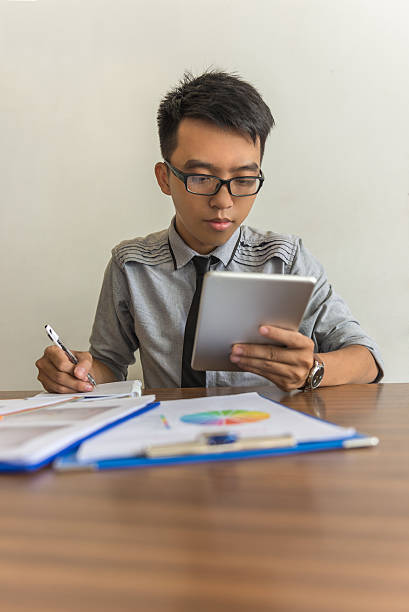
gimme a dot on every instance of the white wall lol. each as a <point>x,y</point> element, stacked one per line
<point>80,84</point>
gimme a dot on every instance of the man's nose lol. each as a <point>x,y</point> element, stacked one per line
<point>222,199</point>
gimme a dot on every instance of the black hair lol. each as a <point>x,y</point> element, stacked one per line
<point>218,97</point>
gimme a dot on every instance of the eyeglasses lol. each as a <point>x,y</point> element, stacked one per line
<point>205,184</point>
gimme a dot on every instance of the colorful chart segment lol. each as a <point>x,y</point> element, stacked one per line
<point>225,417</point>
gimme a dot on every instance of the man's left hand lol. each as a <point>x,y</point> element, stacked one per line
<point>287,366</point>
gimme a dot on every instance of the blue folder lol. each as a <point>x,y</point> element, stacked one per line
<point>72,448</point>
<point>69,460</point>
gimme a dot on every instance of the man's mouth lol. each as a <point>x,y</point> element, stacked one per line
<point>219,224</point>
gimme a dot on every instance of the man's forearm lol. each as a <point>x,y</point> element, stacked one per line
<point>352,364</point>
<point>101,372</point>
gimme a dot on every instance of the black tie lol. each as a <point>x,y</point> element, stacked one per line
<point>190,377</point>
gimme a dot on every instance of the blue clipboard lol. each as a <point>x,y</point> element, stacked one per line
<point>219,448</point>
<point>69,462</point>
<point>72,448</point>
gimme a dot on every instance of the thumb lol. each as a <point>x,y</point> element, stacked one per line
<point>84,364</point>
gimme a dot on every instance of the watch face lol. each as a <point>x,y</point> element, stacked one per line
<point>317,378</point>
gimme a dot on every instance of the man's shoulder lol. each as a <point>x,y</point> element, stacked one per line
<point>258,246</point>
<point>152,249</point>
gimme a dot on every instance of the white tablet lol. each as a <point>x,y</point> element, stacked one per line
<point>233,305</point>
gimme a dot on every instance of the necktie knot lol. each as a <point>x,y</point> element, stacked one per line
<point>201,264</point>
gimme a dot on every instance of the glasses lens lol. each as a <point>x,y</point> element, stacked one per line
<point>202,184</point>
<point>245,186</point>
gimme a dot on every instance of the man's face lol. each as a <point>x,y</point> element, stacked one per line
<point>205,222</point>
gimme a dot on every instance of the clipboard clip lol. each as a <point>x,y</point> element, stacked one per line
<point>223,442</point>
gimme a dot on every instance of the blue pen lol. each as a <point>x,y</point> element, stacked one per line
<point>56,339</point>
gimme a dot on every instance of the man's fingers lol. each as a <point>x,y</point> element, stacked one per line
<point>55,384</point>
<point>285,377</point>
<point>281,381</point>
<point>268,352</point>
<point>267,368</point>
<point>84,364</point>
<point>289,339</point>
<point>52,386</point>
<point>44,364</point>
<point>58,358</point>
<point>60,382</point>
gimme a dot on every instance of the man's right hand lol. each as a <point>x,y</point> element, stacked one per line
<point>58,375</point>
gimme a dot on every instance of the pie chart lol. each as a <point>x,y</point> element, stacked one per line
<point>225,417</point>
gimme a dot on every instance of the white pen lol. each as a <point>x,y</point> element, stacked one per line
<point>56,339</point>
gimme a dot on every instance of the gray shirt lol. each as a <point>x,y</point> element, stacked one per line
<point>148,288</point>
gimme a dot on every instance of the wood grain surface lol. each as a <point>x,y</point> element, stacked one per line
<point>318,532</point>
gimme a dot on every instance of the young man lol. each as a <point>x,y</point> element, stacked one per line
<point>212,132</point>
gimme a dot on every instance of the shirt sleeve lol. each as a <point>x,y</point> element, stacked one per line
<point>113,340</point>
<point>327,319</point>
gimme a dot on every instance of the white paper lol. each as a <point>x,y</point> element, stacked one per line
<point>30,437</point>
<point>20,405</point>
<point>131,438</point>
<point>121,388</point>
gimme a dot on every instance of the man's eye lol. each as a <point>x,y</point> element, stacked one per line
<point>245,181</point>
<point>200,180</point>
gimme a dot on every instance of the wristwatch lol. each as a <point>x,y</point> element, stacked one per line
<point>315,376</point>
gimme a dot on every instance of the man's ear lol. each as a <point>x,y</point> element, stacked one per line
<point>162,176</point>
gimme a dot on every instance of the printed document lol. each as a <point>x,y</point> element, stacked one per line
<point>33,434</point>
<point>174,421</point>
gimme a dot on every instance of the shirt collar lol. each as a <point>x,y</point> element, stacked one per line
<point>182,253</point>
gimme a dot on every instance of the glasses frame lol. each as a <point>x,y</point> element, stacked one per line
<point>184,176</point>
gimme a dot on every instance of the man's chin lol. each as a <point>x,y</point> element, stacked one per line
<point>219,236</point>
<point>206,239</point>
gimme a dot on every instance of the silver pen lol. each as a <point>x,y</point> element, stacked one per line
<point>56,339</point>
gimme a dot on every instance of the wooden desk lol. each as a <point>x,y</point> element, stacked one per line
<point>323,532</point>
